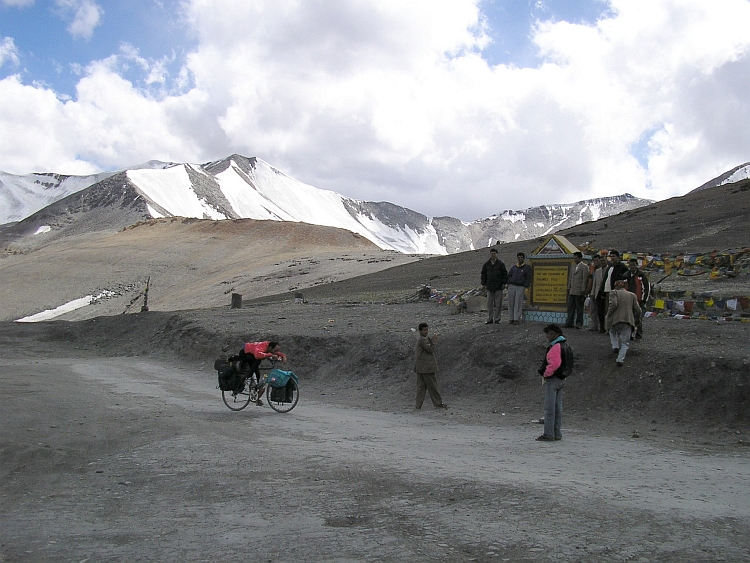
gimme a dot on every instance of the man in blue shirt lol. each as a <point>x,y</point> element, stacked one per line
<point>519,278</point>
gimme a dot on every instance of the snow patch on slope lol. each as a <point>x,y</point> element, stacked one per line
<point>171,189</point>
<point>741,174</point>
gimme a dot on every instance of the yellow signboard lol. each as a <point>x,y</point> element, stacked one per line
<point>550,284</point>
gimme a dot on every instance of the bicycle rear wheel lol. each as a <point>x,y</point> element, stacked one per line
<point>284,401</point>
<point>238,401</point>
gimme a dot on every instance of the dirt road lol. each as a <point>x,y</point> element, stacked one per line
<point>126,459</point>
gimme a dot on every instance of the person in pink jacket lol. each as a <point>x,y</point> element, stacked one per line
<point>551,370</point>
<point>253,353</point>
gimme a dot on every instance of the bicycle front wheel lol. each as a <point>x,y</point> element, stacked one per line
<point>283,399</point>
<point>239,401</point>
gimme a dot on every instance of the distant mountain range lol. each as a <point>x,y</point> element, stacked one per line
<point>50,206</point>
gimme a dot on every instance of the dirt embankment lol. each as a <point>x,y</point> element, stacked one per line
<point>684,373</point>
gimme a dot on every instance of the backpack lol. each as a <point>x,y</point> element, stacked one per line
<point>567,360</point>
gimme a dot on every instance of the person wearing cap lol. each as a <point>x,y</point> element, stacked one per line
<point>494,277</point>
<point>622,312</point>
<point>615,270</point>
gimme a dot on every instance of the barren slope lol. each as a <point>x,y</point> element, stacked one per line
<point>192,264</point>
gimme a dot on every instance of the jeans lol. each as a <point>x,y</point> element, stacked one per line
<point>553,398</point>
<point>494,305</point>
<point>515,302</point>
<point>619,337</point>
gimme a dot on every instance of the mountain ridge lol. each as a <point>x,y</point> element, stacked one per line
<point>247,187</point>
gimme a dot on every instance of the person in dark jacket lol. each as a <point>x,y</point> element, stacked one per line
<point>519,279</point>
<point>597,311</point>
<point>494,277</point>
<point>637,283</point>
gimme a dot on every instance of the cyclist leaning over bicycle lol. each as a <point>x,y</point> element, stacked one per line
<point>253,353</point>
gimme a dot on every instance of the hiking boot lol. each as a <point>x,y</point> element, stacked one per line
<point>441,406</point>
<point>259,403</point>
<point>544,438</point>
<point>619,364</point>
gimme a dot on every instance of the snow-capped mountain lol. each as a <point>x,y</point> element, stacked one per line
<point>240,187</point>
<point>20,196</point>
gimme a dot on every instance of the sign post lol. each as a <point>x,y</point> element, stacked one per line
<point>551,263</point>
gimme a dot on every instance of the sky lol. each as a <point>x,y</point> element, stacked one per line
<point>462,108</point>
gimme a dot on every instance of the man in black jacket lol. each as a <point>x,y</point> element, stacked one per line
<point>615,271</point>
<point>494,278</point>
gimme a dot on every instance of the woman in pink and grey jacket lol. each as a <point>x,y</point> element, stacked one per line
<point>553,385</point>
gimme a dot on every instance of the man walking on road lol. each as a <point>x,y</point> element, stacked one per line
<point>426,368</point>
<point>519,278</point>
<point>494,277</point>
<point>622,312</point>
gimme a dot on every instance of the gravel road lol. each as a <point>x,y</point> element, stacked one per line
<point>132,459</point>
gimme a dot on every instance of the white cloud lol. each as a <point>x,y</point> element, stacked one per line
<point>391,100</point>
<point>8,51</point>
<point>86,16</point>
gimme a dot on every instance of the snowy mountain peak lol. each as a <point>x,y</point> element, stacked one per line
<point>241,187</point>
<point>736,174</point>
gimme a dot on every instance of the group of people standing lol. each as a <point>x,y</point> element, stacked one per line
<point>495,277</point>
<point>617,293</point>
<point>609,310</point>
<point>604,285</point>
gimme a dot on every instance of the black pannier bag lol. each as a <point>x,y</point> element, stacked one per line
<point>283,394</point>
<point>229,378</point>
